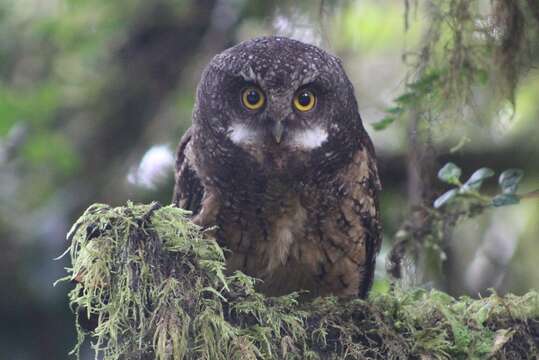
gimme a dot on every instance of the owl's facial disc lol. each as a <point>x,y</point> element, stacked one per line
<point>275,113</point>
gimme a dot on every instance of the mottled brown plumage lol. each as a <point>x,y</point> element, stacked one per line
<point>296,206</point>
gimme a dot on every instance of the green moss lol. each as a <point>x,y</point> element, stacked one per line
<point>158,288</point>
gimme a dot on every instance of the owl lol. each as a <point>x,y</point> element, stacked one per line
<point>278,161</point>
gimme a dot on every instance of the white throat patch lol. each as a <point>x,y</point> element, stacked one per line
<point>241,134</point>
<point>311,138</point>
<point>304,139</point>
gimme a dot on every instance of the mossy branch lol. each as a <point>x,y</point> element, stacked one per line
<point>159,289</point>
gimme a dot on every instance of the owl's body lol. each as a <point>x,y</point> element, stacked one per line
<point>290,183</point>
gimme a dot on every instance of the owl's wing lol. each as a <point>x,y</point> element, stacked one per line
<point>364,190</point>
<point>371,223</point>
<point>188,190</point>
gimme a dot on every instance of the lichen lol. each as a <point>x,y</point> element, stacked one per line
<point>158,288</point>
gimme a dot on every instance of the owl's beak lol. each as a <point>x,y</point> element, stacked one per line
<point>277,131</point>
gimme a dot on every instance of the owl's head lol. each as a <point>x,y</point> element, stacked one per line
<point>280,102</point>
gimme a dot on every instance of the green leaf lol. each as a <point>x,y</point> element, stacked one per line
<point>476,180</point>
<point>450,174</point>
<point>509,180</point>
<point>425,84</point>
<point>396,110</point>
<point>445,197</point>
<point>406,98</point>
<point>382,124</point>
<point>505,199</point>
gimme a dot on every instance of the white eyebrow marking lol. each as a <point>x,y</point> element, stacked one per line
<point>248,74</point>
<point>311,138</point>
<point>241,134</point>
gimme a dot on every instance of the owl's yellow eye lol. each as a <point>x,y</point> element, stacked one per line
<point>252,98</point>
<point>304,100</point>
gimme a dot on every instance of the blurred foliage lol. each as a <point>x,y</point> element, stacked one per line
<point>461,203</point>
<point>468,50</point>
<point>508,181</point>
<point>466,46</point>
<point>89,87</point>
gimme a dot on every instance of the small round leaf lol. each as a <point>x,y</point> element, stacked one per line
<point>509,180</point>
<point>476,180</point>
<point>445,197</point>
<point>505,199</point>
<point>450,173</point>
